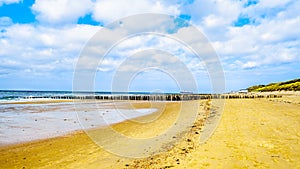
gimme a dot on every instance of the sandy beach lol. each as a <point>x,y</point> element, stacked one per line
<point>253,133</point>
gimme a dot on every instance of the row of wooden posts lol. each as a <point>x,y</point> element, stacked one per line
<point>161,97</point>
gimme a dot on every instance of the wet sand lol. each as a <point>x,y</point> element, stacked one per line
<point>253,133</point>
<point>77,150</point>
<point>34,121</point>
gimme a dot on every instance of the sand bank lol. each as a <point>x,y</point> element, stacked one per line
<point>253,133</point>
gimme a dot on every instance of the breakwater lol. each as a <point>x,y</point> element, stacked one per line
<point>160,97</point>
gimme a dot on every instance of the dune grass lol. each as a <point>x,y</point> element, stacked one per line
<point>291,85</point>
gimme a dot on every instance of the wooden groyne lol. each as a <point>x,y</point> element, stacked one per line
<point>159,97</point>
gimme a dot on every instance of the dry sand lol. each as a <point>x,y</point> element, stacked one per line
<point>253,133</point>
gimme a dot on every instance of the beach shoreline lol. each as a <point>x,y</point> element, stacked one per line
<point>7,152</point>
<point>252,133</point>
<point>37,120</point>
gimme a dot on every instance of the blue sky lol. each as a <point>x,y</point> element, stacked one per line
<point>257,41</point>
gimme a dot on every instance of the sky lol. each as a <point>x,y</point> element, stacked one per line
<point>41,42</point>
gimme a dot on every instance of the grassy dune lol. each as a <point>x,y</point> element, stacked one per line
<point>291,85</point>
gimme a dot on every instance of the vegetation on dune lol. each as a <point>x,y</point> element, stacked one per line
<point>291,85</point>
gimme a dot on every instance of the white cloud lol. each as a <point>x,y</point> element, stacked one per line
<point>212,21</point>
<point>273,4</point>
<point>146,43</point>
<point>249,64</point>
<point>110,10</point>
<point>42,49</point>
<point>5,21</point>
<point>61,11</point>
<point>263,45</point>
<point>273,40</point>
<point>213,17</point>
<point>213,12</point>
<point>272,10</point>
<point>9,1</point>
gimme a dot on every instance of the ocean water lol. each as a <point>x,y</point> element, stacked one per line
<point>27,122</point>
<point>16,95</point>
<point>12,95</point>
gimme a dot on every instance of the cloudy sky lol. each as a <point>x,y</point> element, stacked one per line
<point>257,42</point>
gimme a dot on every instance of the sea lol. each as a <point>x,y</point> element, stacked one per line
<point>22,120</point>
<point>17,95</point>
